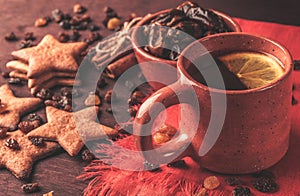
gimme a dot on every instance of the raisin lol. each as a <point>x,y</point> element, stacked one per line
<point>65,24</point>
<point>66,92</point>
<point>151,167</point>
<point>3,132</point>
<point>241,191</point>
<point>87,156</point>
<point>51,103</point>
<point>44,94</point>
<point>33,117</point>
<point>63,37</point>
<point>294,101</point>
<point>63,101</point>
<point>211,182</point>
<point>30,187</point>
<point>93,27</point>
<point>265,185</point>
<point>180,164</point>
<point>68,108</point>
<point>265,174</point>
<point>108,96</point>
<point>29,36</point>
<point>101,83</point>
<point>233,181</point>
<point>113,23</point>
<point>15,81</point>
<point>296,65</point>
<point>12,144</point>
<point>75,35</point>
<point>26,126</point>
<point>11,37</point>
<point>132,111</point>
<point>25,44</point>
<point>37,141</point>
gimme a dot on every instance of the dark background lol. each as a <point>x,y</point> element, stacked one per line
<point>58,173</point>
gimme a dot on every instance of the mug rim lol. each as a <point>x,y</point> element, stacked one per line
<point>287,67</point>
<point>145,20</point>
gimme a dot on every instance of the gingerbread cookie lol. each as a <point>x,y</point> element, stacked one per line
<point>66,128</point>
<point>15,107</point>
<point>50,55</point>
<point>18,153</point>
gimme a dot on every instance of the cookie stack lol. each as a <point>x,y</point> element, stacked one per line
<point>48,64</point>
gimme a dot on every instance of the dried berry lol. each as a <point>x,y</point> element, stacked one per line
<point>30,187</point>
<point>108,96</point>
<point>12,144</point>
<point>75,35</point>
<point>241,191</point>
<point>180,164</point>
<point>296,65</point>
<point>68,108</point>
<point>211,182</point>
<point>136,98</point>
<point>35,117</point>
<point>51,103</point>
<point>15,81</point>
<point>5,74</point>
<point>113,23</point>
<point>294,101</point>
<point>233,181</point>
<point>265,185</point>
<point>92,100</point>
<point>44,94</point>
<point>92,37</point>
<point>101,83</point>
<point>164,134</point>
<point>87,156</point>
<point>63,101</point>
<point>58,15</point>
<point>66,92</point>
<point>40,22</point>
<point>11,37</point>
<point>29,36</point>
<point>132,111</point>
<point>79,9</point>
<point>26,126</point>
<point>37,141</point>
<point>63,37</point>
<point>3,132</point>
<point>65,24</point>
<point>107,9</point>
<point>25,44</point>
<point>151,167</point>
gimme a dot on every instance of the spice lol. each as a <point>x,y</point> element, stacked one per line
<point>87,156</point>
<point>92,99</point>
<point>265,185</point>
<point>164,134</point>
<point>10,37</point>
<point>211,182</point>
<point>40,22</point>
<point>3,132</point>
<point>44,94</point>
<point>26,126</point>
<point>12,144</point>
<point>241,191</point>
<point>37,141</point>
<point>30,187</point>
<point>113,23</point>
<point>79,9</point>
<point>15,81</point>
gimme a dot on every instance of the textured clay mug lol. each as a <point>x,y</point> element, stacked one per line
<point>226,131</point>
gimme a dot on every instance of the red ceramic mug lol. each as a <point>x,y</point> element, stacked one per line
<point>227,131</point>
<point>151,65</point>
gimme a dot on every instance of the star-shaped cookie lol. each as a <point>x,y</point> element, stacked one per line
<point>50,55</point>
<point>20,161</point>
<point>70,129</point>
<point>16,107</point>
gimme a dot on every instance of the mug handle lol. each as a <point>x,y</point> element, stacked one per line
<point>176,148</point>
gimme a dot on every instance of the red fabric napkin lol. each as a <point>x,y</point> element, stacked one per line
<point>188,180</point>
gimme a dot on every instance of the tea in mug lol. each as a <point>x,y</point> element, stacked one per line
<point>240,70</point>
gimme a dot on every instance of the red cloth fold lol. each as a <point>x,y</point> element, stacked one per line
<point>188,180</point>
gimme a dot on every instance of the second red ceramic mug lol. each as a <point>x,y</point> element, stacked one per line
<point>227,131</point>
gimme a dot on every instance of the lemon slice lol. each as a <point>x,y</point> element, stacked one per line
<point>253,69</point>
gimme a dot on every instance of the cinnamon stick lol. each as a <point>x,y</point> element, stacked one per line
<point>115,69</point>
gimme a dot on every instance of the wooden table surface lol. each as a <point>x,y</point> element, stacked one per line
<point>58,173</point>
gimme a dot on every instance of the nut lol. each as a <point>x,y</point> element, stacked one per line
<point>40,22</point>
<point>113,23</point>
